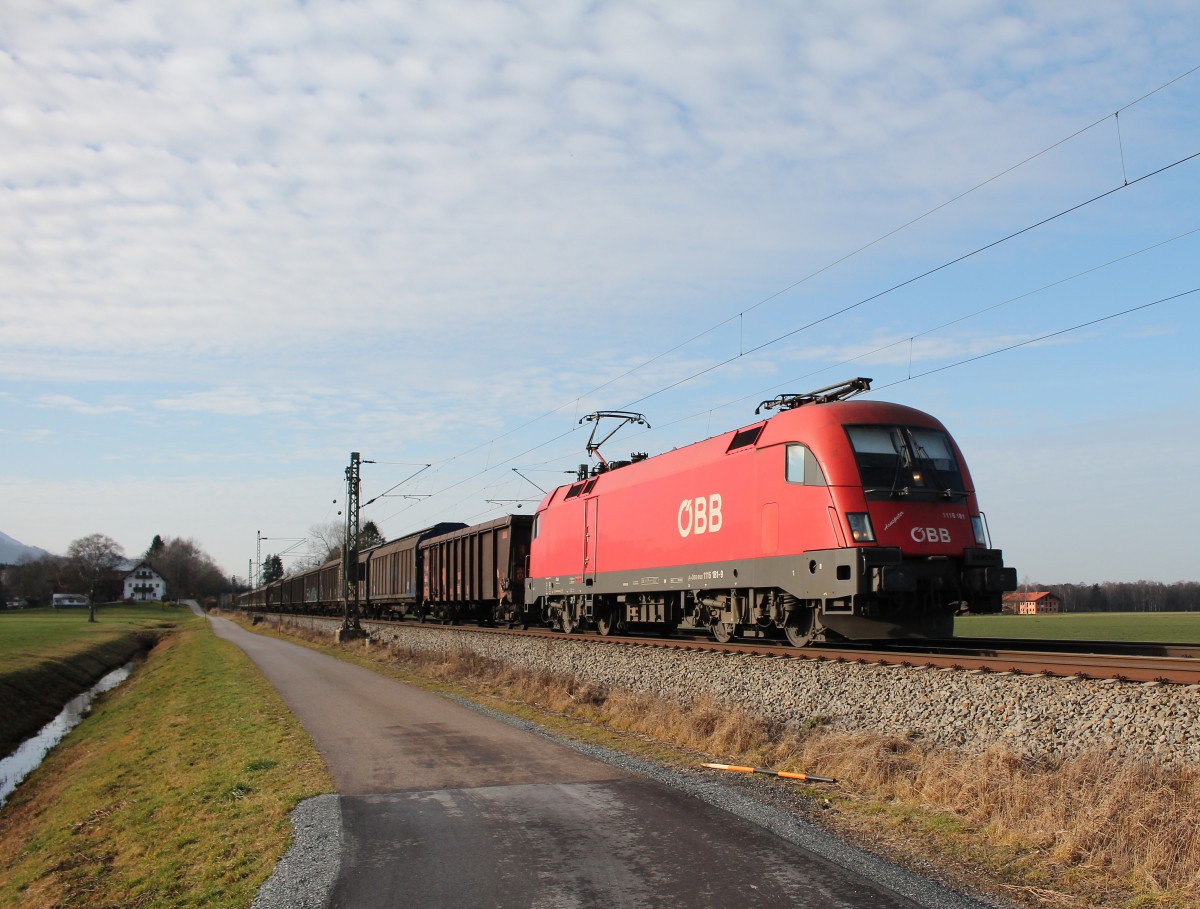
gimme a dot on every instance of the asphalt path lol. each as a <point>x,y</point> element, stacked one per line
<point>445,806</point>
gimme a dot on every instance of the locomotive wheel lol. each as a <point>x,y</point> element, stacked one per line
<point>566,623</point>
<point>724,632</point>
<point>607,624</point>
<point>804,631</point>
<point>797,636</point>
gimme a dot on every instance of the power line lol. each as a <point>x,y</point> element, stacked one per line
<point>845,309</point>
<point>936,328</point>
<point>743,353</point>
<point>1001,174</point>
<point>963,362</point>
<point>1045,337</point>
<point>901,340</point>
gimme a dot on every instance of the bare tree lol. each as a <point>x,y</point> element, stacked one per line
<point>93,557</point>
<point>34,579</point>
<point>1126,596</point>
<point>324,543</point>
<point>189,570</point>
<point>326,540</point>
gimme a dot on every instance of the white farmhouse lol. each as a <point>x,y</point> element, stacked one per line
<point>142,582</point>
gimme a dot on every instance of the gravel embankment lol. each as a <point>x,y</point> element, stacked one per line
<point>1030,715</point>
<point>305,875</point>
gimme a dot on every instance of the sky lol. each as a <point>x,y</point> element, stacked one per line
<point>240,241</point>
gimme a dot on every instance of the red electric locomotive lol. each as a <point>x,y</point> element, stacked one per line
<point>833,519</point>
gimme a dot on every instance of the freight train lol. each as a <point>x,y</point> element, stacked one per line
<point>834,519</point>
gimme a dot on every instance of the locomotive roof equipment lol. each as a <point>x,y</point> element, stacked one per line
<point>841,392</point>
<point>593,447</point>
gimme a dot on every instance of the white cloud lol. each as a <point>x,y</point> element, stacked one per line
<point>28,435</point>
<point>240,402</point>
<point>310,228</point>
<point>66,402</point>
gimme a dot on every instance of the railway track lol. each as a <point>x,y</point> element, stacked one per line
<point>1145,662</point>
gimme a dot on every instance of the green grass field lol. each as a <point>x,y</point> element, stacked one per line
<point>32,636</point>
<point>176,791</point>
<point>1164,627</point>
<point>48,656</point>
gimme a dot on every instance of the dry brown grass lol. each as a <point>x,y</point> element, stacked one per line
<point>1086,831</point>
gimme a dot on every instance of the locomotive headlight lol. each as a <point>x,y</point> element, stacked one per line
<point>860,526</point>
<point>980,533</point>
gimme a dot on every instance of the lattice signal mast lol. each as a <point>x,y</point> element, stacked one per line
<point>350,547</point>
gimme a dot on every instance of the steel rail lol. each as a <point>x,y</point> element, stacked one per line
<point>1178,664</point>
<point>1117,666</point>
<point>1128,648</point>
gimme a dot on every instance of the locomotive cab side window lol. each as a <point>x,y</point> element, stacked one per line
<point>802,467</point>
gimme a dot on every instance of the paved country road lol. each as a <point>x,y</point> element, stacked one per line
<point>442,805</point>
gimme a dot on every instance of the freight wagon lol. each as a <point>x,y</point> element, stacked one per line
<point>479,572</point>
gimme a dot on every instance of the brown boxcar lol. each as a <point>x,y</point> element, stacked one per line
<point>293,593</point>
<point>479,572</point>
<point>320,589</point>
<point>317,590</point>
<point>391,573</point>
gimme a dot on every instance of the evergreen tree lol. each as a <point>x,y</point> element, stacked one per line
<point>369,535</point>
<point>155,548</point>
<point>272,569</point>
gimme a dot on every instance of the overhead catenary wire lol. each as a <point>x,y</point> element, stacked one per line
<point>1126,183</point>
<point>1009,347</point>
<point>1045,337</point>
<point>574,401</point>
<point>906,337</point>
<point>866,246</point>
<point>909,281</point>
<point>398,485</point>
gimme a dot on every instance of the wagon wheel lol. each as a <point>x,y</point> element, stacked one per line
<point>724,632</point>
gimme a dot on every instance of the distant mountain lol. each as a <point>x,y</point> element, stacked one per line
<point>13,551</point>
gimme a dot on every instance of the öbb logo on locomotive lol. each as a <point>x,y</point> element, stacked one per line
<point>700,515</point>
<point>829,520</point>
<point>930,535</point>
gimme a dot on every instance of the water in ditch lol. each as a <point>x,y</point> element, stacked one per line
<point>33,750</point>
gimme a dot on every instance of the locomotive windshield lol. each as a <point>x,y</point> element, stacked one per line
<point>900,461</point>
